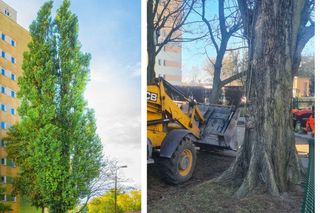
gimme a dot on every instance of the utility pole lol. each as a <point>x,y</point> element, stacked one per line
<point>115,187</point>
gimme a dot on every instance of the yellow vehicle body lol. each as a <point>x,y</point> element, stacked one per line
<point>175,124</point>
<point>160,107</point>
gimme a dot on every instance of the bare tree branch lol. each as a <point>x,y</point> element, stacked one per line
<point>179,17</point>
<point>205,20</point>
<point>234,77</point>
<point>101,184</point>
<point>236,48</point>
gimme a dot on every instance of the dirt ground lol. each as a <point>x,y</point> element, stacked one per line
<point>201,195</point>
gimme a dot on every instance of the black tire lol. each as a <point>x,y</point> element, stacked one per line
<point>169,167</point>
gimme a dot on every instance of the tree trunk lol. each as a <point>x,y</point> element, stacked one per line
<point>151,74</point>
<point>268,155</point>
<point>151,48</point>
<point>216,84</point>
<point>216,89</point>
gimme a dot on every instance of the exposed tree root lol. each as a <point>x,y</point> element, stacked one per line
<point>254,168</point>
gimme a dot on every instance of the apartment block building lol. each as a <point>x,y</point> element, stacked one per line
<point>169,60</point>
<point>169,63</point>
<point>13,42</point>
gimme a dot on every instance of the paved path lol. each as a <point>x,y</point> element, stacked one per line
<point>302,145</point>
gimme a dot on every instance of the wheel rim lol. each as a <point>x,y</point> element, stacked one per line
<point>185,162</point>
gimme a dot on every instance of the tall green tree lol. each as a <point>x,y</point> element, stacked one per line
<point>55,144</point>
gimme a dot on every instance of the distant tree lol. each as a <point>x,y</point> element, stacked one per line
<point>231,66</point>
<point>307,69</point>
<point>101,184</point>
<point>126,201</point>
<point>220,30</point>
<point>55,143</point>
<point>165,19</point>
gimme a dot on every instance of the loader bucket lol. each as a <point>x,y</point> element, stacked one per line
<point>220,127</point>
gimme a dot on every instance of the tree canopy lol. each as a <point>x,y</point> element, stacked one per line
<point>55,144</point>
<point>126,201</point>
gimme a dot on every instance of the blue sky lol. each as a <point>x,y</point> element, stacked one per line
<point>110,32</point>
<point>193,55</point>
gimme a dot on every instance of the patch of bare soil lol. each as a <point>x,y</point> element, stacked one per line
<point>199,195</point>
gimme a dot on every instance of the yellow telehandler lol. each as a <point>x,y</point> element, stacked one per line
<point>177,124</point>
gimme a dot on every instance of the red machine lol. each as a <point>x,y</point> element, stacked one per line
<point>303,120</point>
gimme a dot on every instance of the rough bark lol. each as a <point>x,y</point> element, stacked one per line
<point>268,157</point>
<point>151,48</point>
<point>216,89</point>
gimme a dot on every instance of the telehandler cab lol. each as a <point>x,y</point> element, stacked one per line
<point>176,124</point>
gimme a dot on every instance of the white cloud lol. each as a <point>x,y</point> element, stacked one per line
<point>117,108</point>
<point>135,70</point>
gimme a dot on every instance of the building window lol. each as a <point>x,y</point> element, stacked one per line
<point>159,62</point>
<point>13,77</point>
<point>3,107</point>
<point>13,111</point>
<point>3,161</point>
<point>2,143</point>
<point>3,54</point>
<point>13,43</point>
<point>13,60</point>
<point>3,179</point>
<point>3,37</point>
<point>9,179</point>
<point>164,62</point>
<point>3,125</point>
<point>3,72</point>
<point>11,163</point>
<point>6,12</point>
<point>3,90</point>
<point>11,198</point>
<point>13,94</point>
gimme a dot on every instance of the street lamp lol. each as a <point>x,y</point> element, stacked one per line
<point>115,187</point>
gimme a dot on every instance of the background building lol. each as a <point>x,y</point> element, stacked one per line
<point>13,42</point>
<point>169,60</point>
<point>169,63</point>
<point>301,86</point>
